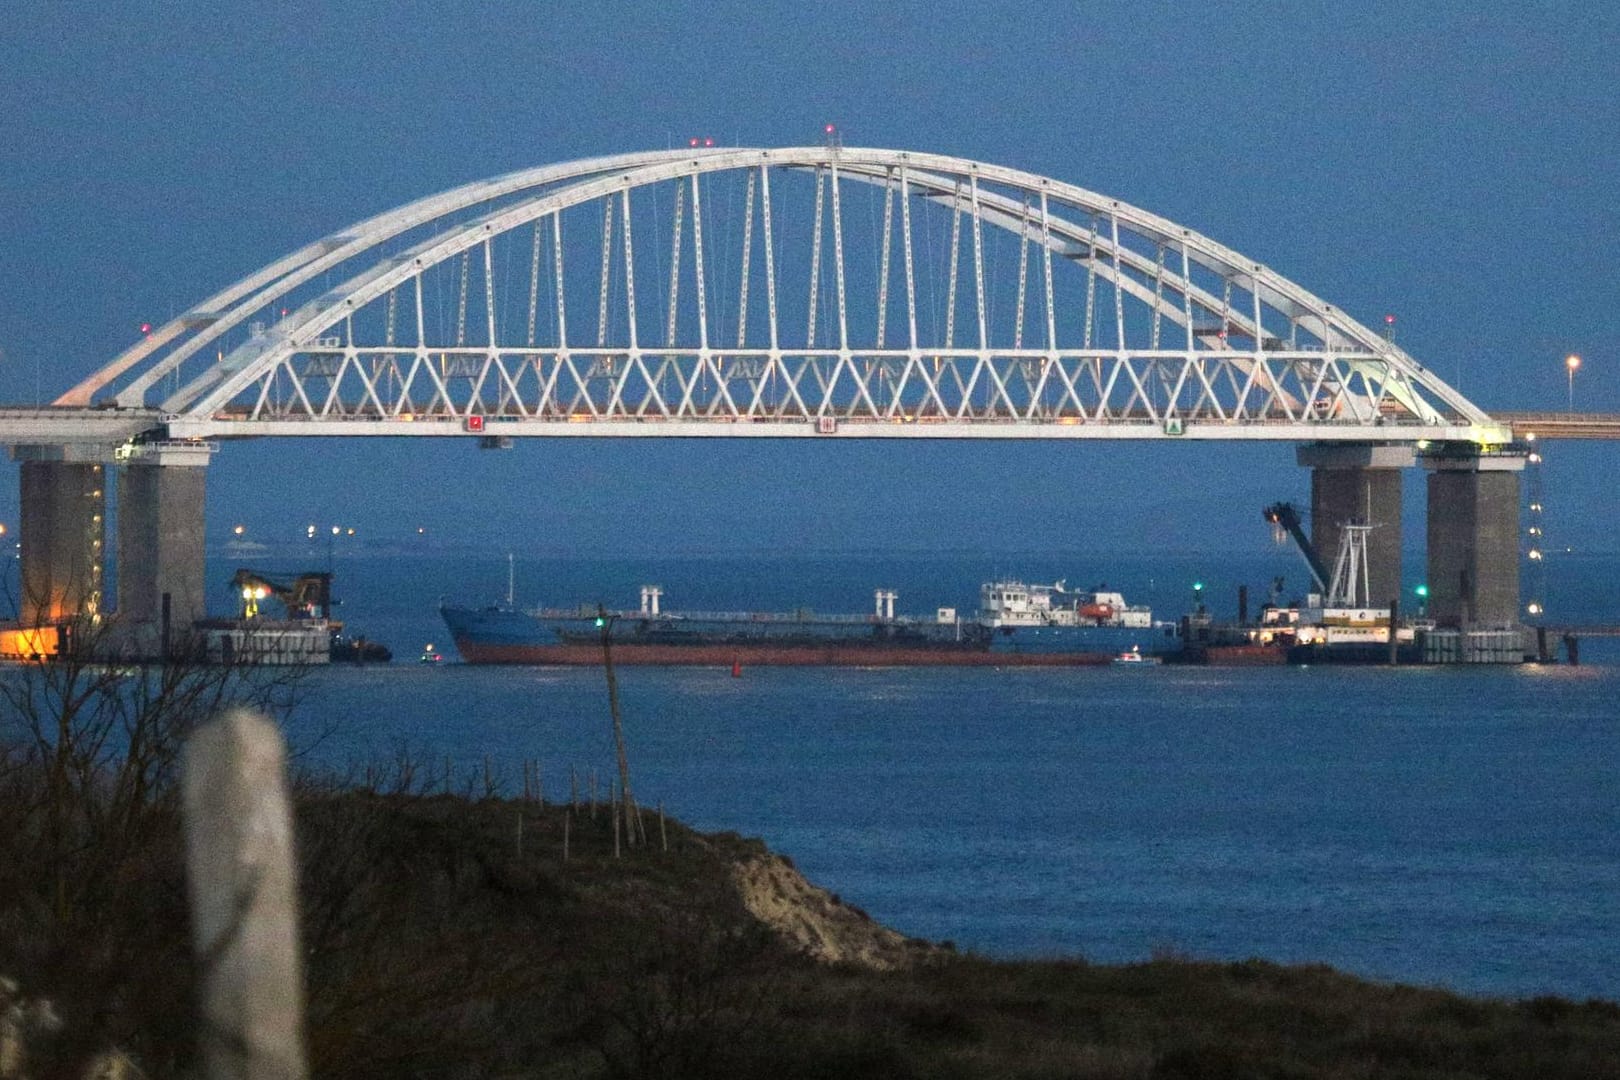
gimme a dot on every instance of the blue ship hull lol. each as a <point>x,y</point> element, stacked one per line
<point>1108,640</point>
<point>498,635</point>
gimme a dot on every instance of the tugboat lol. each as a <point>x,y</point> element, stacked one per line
<point>358,650</point>
<point>430,655</point>
<point>1134,657</point>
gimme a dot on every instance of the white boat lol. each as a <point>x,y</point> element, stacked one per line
<point>1135,657</point>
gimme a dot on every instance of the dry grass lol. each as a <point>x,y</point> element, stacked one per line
<point>438,948</point>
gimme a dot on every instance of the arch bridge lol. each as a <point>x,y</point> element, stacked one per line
<point>817,292</point>
<point>767,292</point>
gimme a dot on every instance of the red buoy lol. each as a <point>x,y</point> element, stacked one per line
<point>736,668</point>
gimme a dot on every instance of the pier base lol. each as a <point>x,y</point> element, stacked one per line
<point>1473,538</point>
<point>160,535</point>
<point>1358,483</point>
<point>62,528</point>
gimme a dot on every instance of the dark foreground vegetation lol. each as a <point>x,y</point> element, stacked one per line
<point>438,946</point>
<point>470,935</point>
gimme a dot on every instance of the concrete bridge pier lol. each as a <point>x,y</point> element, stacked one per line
<point>1359,483</point>
<point>62,531</point>
<point>160,534</point>
<point>1473,537</point>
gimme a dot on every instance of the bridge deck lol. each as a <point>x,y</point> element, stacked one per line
<point>57,426</point>
<point>1561,425</point>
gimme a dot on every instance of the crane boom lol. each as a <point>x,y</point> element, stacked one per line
<point>1284,515</point>
<point>309,595</point>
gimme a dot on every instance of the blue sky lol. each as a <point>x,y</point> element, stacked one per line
<point>1455,164</point>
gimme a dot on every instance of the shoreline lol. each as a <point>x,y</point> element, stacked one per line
<point>454,930</point>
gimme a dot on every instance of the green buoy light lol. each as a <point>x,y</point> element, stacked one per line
<point>1422,590</point>
<point>600,622</point>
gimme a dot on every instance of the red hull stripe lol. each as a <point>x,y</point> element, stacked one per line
<point>726,655</point>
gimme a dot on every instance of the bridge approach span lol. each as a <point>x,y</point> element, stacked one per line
<point>1561,425</point>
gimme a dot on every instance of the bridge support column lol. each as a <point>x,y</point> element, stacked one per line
<point>1474,537</point>
<point>160,534</point>
<point>63,510</point>
<point>1359,484</point>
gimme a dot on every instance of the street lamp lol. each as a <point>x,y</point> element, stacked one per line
<point>1571,362</point>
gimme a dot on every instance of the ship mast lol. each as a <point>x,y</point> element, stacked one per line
<point>1349,587</point>
<point>511,576</point>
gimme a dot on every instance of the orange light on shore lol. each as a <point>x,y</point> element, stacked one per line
<point>25,643</point>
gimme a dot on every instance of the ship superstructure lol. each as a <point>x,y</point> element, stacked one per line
<point>1013,603</point>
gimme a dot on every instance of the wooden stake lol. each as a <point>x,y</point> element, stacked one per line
<point>605,621</point>
<point>1394,640</point>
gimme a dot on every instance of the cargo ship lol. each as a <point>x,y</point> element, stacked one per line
<point>1016,625</point>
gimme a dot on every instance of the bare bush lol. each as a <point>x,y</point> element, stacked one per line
<point>91,861</point>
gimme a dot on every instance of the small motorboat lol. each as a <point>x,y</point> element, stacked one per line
<point>1135,657</point>
<point>430,655</point>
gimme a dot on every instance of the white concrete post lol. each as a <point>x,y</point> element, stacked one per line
<point>244,900</point>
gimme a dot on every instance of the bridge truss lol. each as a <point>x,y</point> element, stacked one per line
<point>817,291</point>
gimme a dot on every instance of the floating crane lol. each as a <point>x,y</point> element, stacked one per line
<point>308,597</point>
<point>1347,586</point>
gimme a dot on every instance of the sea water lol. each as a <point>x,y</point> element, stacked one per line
<point>1446,826</point>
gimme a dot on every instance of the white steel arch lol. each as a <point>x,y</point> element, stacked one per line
<point>1123,324</point>
<point>229,308</point>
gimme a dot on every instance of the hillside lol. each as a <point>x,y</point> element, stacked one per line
<point>445,939</point>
